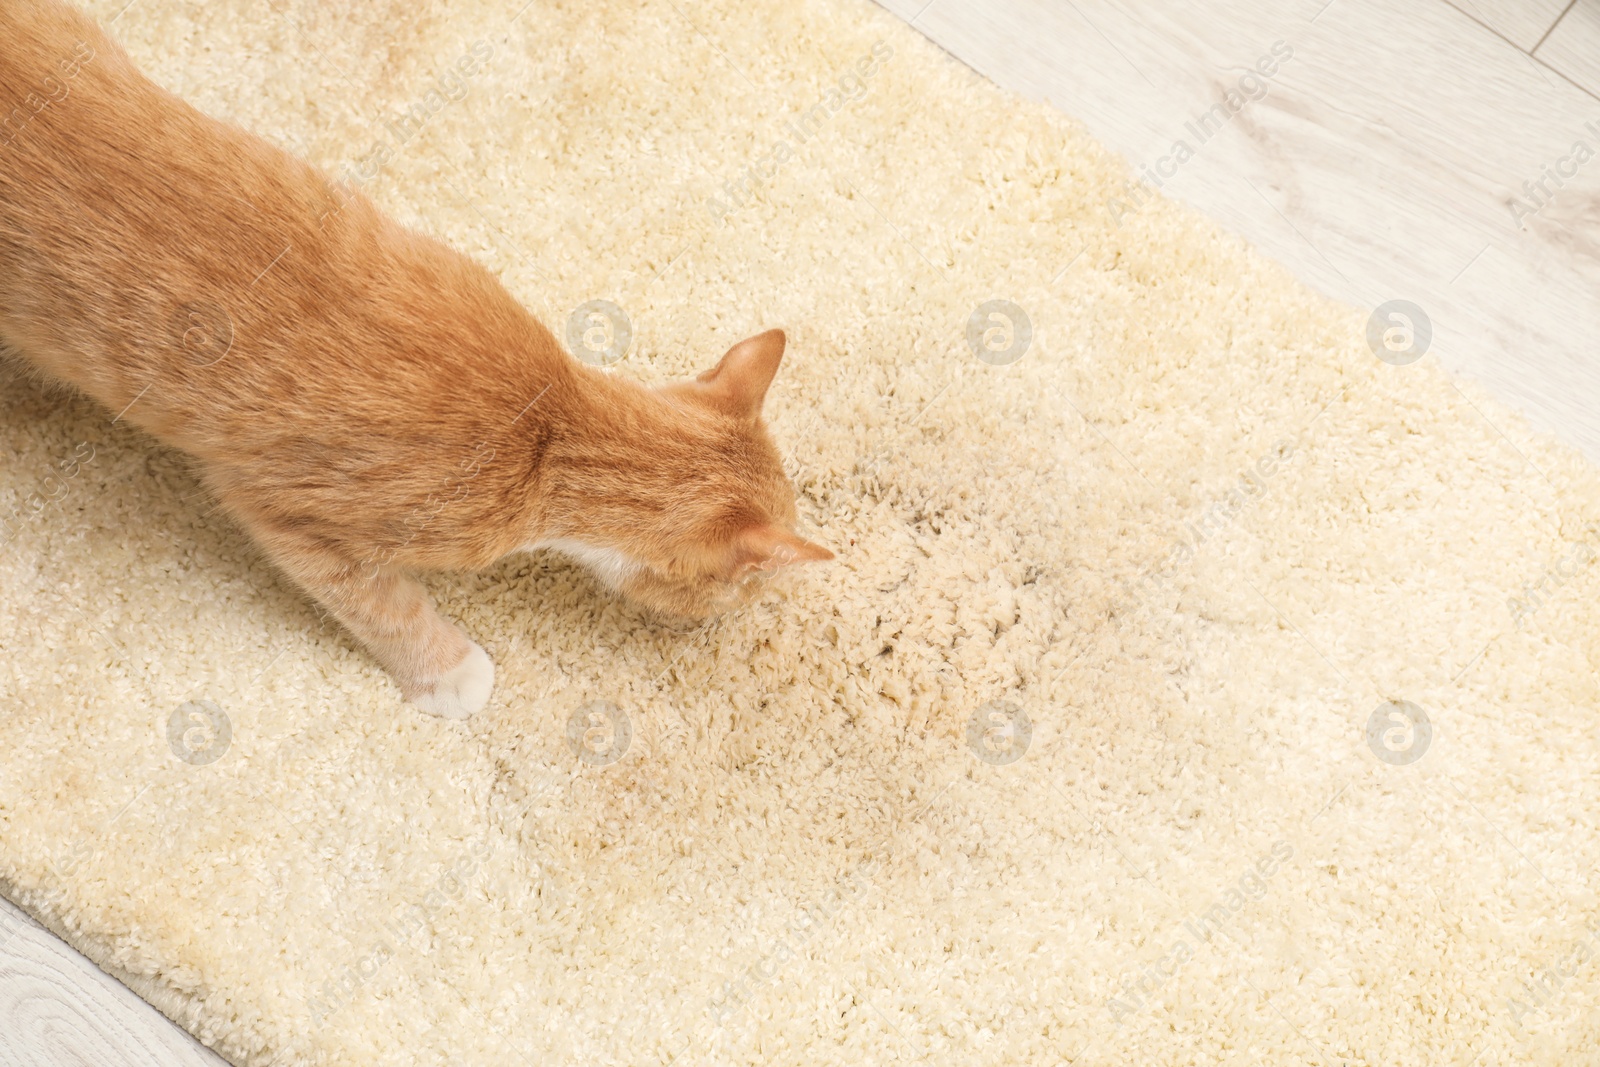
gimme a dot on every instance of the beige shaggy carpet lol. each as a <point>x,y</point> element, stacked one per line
<point>1102,742</point>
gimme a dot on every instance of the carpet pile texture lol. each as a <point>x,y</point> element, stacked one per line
<point>1192,686</point>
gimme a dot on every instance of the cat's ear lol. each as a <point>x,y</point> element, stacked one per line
<point>738,383</point>
<point>767,547</point>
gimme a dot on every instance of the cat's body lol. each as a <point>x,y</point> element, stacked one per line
<point>362,399</point>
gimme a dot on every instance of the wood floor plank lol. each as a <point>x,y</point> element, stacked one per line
<point>1522,22</point>
<point>1387,158</point>
<point>1573,47</point>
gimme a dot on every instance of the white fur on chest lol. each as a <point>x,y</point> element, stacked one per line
<point>609,564</point>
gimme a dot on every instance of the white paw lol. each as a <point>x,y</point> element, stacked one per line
<point>461,690</point>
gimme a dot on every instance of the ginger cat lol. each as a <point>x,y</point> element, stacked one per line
<point>364,401</point>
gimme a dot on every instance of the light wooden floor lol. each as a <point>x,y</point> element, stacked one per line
<point>59,1010</point>
<point>1382,162</point>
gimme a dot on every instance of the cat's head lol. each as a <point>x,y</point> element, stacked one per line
<point>705,510</point>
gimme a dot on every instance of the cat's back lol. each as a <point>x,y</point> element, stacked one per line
<point>39,34</point>
<point>105,210</point>
<point>226,293</point>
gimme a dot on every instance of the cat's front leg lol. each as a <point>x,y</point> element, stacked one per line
<point>436,665</point>
<point>461,690</point>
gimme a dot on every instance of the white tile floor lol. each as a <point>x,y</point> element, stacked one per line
<point>1386,159</point>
